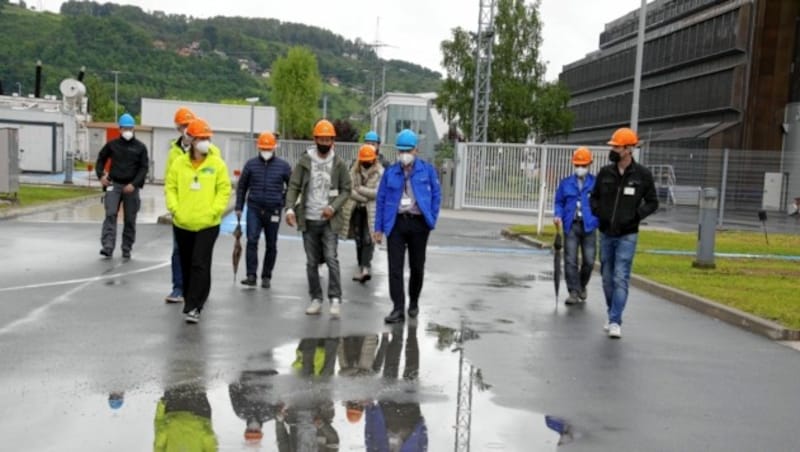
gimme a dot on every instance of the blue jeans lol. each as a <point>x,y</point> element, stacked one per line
<point>321,242</point>
<point>177,276</point>
<point>616,260</point>
<point>578,276</point>
<point>268,220</point>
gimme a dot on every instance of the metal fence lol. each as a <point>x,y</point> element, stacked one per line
<point>524,178</point>
<point>239,150</point>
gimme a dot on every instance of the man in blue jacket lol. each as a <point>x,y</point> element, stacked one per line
<point>407,207</point>
<point>573,210</point>
<point>263,183</point>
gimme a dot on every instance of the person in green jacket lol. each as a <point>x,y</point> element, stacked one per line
<point>319,187</point>
<point>183,421</point>
<point>197,189</point>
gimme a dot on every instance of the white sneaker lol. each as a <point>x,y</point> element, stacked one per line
<point>336,307</point>
<point>605,326</point>
<point>315,307</point>
<point>614,331</point>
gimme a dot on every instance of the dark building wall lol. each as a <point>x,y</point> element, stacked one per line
<point>697,71</point>
<point>770,81</point>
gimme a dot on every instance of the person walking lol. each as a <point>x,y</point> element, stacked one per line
<point>572,210</point>
<point>359,211</point>
<point>122,184</point>
<point>407,207</point>
<point>624,194</point>
<point>318,189</point>
<point>263,184</point>
<point>197,190</point>
<point>179,147</point>
<point>372,138</point>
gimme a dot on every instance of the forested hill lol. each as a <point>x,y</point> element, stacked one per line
<point>181,57</point>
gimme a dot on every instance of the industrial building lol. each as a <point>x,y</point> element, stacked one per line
<point>394,112</point>
<point>716,74</point>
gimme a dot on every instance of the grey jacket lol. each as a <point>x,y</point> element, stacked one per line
<point>299,187</point>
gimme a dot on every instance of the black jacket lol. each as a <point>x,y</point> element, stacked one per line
<point>620,202</point>
<point>129,161</point>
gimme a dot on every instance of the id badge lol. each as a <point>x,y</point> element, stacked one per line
<point>405,202</point>
<point>195,186</point>
<point>629,191</point>
<point>275,218</point>
<point>333,193</point>
<point>110,187</point>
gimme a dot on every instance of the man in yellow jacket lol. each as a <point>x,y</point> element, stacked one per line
<point>197,189</point>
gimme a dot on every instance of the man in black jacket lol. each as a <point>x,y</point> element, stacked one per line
<point>129,163</point>
<point>624,194</point>
<point>263,184</point>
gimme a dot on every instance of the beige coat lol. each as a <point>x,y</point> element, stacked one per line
<point>363,192</point>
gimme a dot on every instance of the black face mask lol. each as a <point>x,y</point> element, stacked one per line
<point>614,156</point>
<point>323,148</point>
<point>366,165</point>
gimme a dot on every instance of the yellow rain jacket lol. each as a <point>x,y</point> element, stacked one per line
<point>197,197</point>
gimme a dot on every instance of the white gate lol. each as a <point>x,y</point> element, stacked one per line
<point>514,177</point>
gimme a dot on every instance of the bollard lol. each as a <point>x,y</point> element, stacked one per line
<point>69,164</point>
<point>709,198</point>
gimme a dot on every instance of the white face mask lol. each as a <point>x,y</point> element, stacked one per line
<point>202,146</point>
<point>127,135</point>
<point>581,172</point>
<point>266,155</point>
<point>406,158</point>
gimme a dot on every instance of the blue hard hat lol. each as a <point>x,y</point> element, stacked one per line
<point>115,401</point>
<point>126,120</point>
<point>372,136</point>
<point>406,140</point>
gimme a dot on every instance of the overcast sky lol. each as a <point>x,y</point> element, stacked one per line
<point>414,27</point>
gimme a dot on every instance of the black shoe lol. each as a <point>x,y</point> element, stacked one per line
<point>413,312</point>
<point>395,316</point>
<point>265,283</point>
<point>126,254</point>
<point>106,252</point>
<point>250,281</point>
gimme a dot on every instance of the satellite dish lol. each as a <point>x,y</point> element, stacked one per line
<point>72,89</point>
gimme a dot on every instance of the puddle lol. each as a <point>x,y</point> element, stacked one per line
<point>408,388</point>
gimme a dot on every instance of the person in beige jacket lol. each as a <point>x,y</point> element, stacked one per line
<point>358,214</point>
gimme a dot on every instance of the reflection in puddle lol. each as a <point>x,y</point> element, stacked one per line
<point>405,389</point>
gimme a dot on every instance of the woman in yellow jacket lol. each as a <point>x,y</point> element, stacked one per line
<point>198,188</point>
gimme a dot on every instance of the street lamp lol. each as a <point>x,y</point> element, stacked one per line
<point>252,101</point>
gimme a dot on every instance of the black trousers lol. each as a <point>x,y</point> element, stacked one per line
<point>409,232</point>
<point>196,251</point>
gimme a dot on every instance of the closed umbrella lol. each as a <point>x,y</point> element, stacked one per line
<point>237,248</point>
<point>557,245</point>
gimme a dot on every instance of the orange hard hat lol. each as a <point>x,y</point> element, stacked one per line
<point>354,414</point>
<point>267,141</point>
<point>582,156</point>
<point>198,128</point>
<point>624,137</point>
<point>253,435</point>
<point>184,116</point>
<point>324,128</point>
<point>366,153</point>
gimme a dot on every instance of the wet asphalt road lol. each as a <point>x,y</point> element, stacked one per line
<point>90,352</point>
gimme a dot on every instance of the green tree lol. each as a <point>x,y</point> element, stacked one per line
<point>296,90</point>
<point>521,103</point>
<point>101,104</point>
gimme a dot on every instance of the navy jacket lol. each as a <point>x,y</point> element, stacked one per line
<point>264,183</point>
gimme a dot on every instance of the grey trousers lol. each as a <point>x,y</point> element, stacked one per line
<point>320,241</point>
<point>130,203</point>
